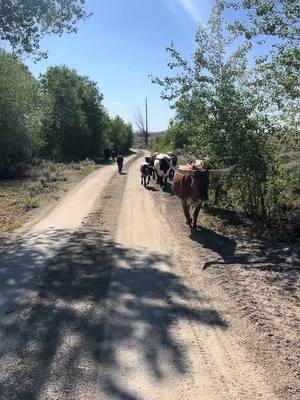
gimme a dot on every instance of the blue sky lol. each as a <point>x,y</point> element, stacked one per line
<point>121,44</point>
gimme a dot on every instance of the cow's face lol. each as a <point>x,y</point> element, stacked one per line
<point>202,180</point>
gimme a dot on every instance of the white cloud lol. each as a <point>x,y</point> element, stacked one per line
<point>115,103</point>
<point>197,10</point>
<point>192,8</point>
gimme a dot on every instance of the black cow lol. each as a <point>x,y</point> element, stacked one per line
<point>120,160</point>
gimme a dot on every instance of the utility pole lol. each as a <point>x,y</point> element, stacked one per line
<point>146,133</point>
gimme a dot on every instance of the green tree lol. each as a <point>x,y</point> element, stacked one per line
<point>96,117</point>
<point>22,109</point>
<point>213,105</point>
<point>222,113</point>
<point>24,23</point>
<point>120,135</point>
<point>77,124</point>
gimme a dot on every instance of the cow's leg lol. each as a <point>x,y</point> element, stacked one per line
<point>186,210</point>
<point>165,182</point>
<point>158,178</point>
<point>195,215</point>
<point>148,180</point>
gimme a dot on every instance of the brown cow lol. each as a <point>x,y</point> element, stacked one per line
<point>190,184</point>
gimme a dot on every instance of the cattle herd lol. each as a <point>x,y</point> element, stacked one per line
<point>159,167</point>
<point>190,182</point>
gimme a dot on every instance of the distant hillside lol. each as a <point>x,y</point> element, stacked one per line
<point>152,135</point>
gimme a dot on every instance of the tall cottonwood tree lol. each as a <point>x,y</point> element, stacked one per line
<point>222,113</point>
<point>22,109</point>
<point>76,126</point>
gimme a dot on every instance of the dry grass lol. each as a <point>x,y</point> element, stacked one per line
<point>43,183</point>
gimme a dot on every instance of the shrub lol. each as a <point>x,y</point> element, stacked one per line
<point>34,188</point>
<point>30,202</point>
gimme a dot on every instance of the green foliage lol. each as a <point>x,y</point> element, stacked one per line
<point>87,167</point>
<point>30,202</point>
<point>22,107</point>
<point>161,144</point>
<point>13,225</point>
<point>24,23</point>
<point>277,20</point>
<point>223,112</point>
<point>35,188</point>
<point>120,135</point>
<point>76,124</point>
<point>60,117</point>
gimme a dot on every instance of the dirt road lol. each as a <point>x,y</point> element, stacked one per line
<point>123,312</point>
<point>22,258</point>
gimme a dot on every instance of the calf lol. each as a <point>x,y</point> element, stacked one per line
<point>146,172</point>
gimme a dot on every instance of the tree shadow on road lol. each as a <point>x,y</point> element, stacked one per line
<point>259,255</point>
<point>96,298</point>
<point>224,246</point>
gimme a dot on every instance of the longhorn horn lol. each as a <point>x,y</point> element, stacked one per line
<point>215,173</point>
<point>182,171</point>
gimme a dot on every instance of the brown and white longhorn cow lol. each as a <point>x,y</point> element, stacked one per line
<point>190,184</point>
